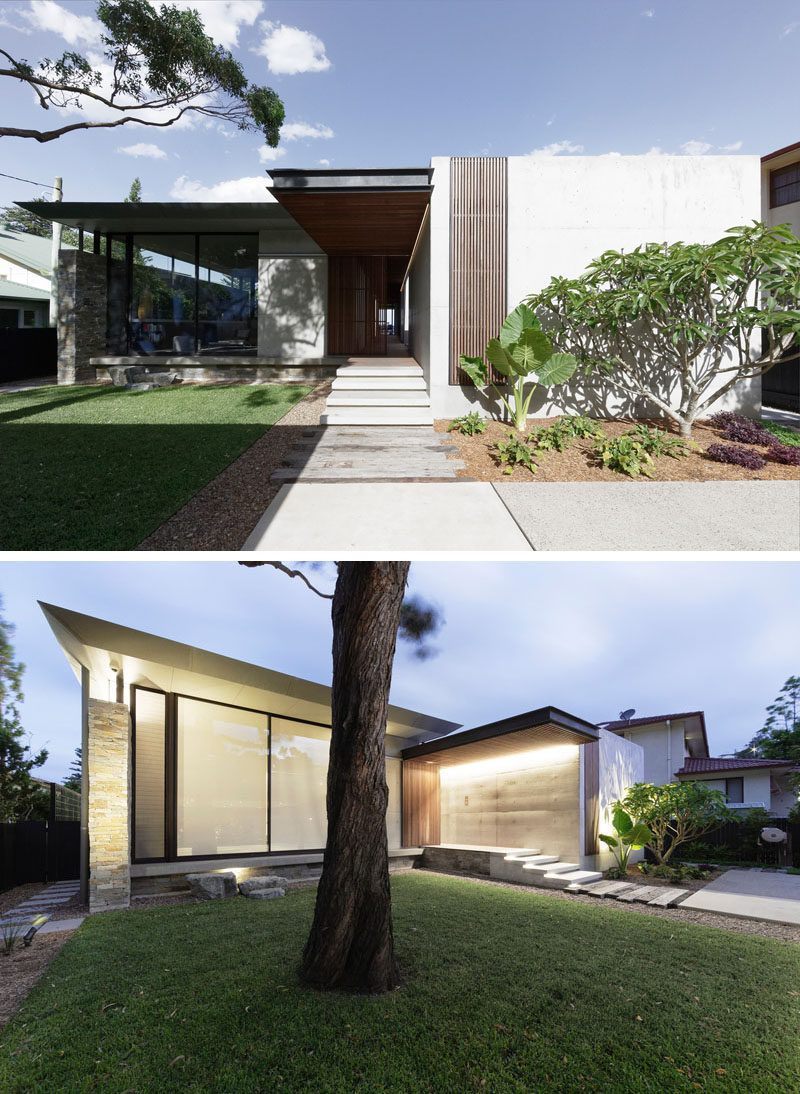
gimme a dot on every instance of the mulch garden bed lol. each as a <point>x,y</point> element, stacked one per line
<point>578,464</point>
<point>20,969</point>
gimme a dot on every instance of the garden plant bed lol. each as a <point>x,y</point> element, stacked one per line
<point>636,877</point>
<point>578,464</point>
<point>20,969</point>
<point>500,993</point>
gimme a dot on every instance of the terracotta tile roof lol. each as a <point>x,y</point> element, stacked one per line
<point>702,765</point>
<point>620,724</point>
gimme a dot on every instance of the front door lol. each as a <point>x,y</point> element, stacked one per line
<point>356,305</point>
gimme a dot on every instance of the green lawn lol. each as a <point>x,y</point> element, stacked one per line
<point>506,991</point>
<point>99,468</point>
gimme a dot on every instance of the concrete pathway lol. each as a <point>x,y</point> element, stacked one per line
<point>47,901</point>
<point>751,894</point>
<point>656,516</point>
<point>387,518</point>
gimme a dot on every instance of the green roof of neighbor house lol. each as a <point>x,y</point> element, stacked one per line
<point>33,252</point>
<point>13,290</point>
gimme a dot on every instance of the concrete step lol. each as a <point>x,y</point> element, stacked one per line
<point>517,856</point>
<point>384,397</point>
<point>374,415</point>
<point>378,383</point>
<point>539,861</point>
<point>556,867</point>
<point>571,879</point>
<point>379,370</point>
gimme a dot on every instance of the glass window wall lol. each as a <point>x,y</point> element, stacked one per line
<point>299,785</point>
<point>150,709</point>
<point>228,294</point>
<point>222,772</point>
<point>163,282</point>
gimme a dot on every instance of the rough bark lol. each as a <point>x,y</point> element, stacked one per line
<point>351,945</point>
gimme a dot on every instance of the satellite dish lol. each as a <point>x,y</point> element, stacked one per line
<point>626,715</point>
<point>773,835</point>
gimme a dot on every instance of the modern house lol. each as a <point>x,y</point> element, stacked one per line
<point>339,265</point>
<point>24,279</point>
<point>196,761</point>
<point>675,749</point>
<point>780,202</point>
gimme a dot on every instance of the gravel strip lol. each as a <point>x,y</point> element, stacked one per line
<point>18,895</point>
<point>222,515</point>
<point>783,932</point>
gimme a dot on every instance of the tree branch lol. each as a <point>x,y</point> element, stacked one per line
<point>291,573</point>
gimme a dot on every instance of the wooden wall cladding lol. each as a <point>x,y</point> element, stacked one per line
<point>356,291</point>
<point>421,803</point>
<point>478,218</point>
<point>591,797</point>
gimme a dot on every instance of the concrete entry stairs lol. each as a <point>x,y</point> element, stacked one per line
<point>387,390</point>
<point>524,866</point>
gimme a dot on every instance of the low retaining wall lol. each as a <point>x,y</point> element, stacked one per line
<point>213,370</point>
<point>456,860</point>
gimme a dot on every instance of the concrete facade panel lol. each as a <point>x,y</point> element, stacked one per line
<point>292,306</point>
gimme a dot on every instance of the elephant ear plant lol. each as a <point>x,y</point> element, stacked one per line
<point>629,835</point>
<point>523,352</point>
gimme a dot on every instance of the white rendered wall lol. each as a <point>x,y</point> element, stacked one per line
<point>12,271</point>
<point>440,392</point>
<point>418,297</point>
<point>513,801</point>
<point>621,765</point>
<point>292,303</point>
<point>565,211</point>
<point>664,749</point>
<point>756,787</point>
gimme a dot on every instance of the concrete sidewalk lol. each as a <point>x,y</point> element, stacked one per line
<point>656,516</point>
<point>752,894</point>
<point>521,517</point>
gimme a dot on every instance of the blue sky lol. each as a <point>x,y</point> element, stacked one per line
<point>593,638</point>
<point>392,82</point>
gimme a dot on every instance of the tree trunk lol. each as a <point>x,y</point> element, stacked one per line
<point>351,945</point>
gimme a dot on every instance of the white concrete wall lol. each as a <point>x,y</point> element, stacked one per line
<point>441,394</point>
<point>418,295</point>
<point>292,305</point>
<point>13,271</point>
<point>757,787</point>
<point>515,801</point>
<point>621,765</point>
<point>565,211</point>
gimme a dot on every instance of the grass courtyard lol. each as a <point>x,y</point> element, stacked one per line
<point>99,468</point>
<point>505,991</point>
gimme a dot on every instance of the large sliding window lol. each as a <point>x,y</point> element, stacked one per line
<point>213,779</point>
<point>193,294</point>
<point>222,779</point>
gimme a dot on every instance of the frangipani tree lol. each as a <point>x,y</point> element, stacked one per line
<point>676,813</point>
<point>523,352</point>
<point>687,312</point>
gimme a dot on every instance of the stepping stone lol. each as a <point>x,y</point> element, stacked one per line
<point>668,897</point>
<point>34,902</point>
<point>641,893</point>
<point>578,879</point>
<point>607,888</point>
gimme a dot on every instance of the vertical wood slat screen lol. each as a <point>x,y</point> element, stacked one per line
<point>421,804</point>
<point>356,291</point>
<point>478,219</point>
<point>591,796</point>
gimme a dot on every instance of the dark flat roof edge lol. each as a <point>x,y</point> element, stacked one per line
<point>517,722</point>
<point>358,180</point>
<point>337,172</point>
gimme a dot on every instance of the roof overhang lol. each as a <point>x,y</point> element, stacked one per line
<point>148,660</point>
<point>371,212</point>
<point>782,156</point>
<point>713,772</point>
<point>119,217</point>
<point>541,728</point>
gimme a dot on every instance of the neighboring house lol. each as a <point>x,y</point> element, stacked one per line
<point>199,762</point>
<point>780,202</point>
<point>341,263</point>
<point>24,279</point>
<point>675,749</point>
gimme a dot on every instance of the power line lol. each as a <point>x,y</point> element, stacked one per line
<point>16,179</point>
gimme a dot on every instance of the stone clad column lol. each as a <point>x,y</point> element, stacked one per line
<point>82,296</point>
<point>109,767</point>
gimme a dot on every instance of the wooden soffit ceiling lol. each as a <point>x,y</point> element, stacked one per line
<point>524,740</point>
<point>358,222</point>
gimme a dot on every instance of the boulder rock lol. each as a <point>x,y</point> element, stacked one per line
<point>212,886</point>
<point>270,881</point>
<point>265,894</point>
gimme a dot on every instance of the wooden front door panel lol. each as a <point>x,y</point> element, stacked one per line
<point>356,293</point>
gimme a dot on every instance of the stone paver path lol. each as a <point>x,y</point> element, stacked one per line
<point>48,900</point>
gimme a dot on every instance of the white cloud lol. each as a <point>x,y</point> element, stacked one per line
<point>551,120</point>
<point>649,13</point>
<point>324,163</point>
<point>244,189</point>
<point>555,149</point>
<point>46,15</point>
<point>6,22</point>
<point>290,50</point>
<point>789,29</point>
<point>149,151</point>
<point>297,131</point>
<point>731,147</point>
<point>222,19</point>
<point>656,150</point>
<point>270,155</point>
<point>696,148</point>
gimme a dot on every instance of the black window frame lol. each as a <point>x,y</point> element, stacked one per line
<point>784,185</point>
<point>735,779</point>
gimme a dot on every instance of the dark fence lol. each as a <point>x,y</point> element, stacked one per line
<point>735,842</point>
<point>27,354</point>
<point>780,386</point>
<point>43,850</point>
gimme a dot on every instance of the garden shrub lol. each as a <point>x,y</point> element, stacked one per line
<point>514,452</point>
<point>732,453</point>
<point>783,453</point>
<point>626,455</point>
<point>469,424</point>
<point>739,428</point>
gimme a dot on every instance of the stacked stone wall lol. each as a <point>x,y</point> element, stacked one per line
<point>82,298</point>
<point>109,767</point>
